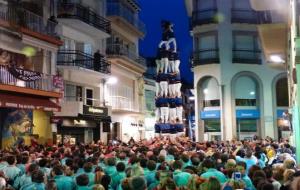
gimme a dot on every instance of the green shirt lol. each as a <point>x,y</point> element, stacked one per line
<point>117,178</point>
<point>215,173</point>
<point>181,178</point>
<point>64,182</point>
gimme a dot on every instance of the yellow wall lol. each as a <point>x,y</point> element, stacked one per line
<point>42,127</point>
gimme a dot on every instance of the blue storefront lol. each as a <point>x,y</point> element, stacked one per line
<point>247,123</point>
<point>212,123</point>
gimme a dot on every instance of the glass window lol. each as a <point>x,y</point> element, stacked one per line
<point>245,40</point>
<point>241,4</point>
<point>249,125</point>
<point>204,4</point>
<point>70,92</point>
<point>282,95</point>
<point>245,91</point>
<point>212,125</point>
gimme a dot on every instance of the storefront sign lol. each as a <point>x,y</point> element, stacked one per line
<point>95,111</point>
<point>247,114</point>
<point>24,75</point>
<point>212,114</point>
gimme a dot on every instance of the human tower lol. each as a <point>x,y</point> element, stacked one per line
<point>168,99</point>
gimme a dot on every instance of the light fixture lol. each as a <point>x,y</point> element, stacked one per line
<point>252,93</point>
<point>275,58</point>
<point>192,98</point>
<point>112,80</point>
<point>205,91</point>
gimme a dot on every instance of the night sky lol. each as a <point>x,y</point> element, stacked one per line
<point>152,12</point>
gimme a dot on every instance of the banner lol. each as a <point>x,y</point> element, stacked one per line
<point>24,75</point>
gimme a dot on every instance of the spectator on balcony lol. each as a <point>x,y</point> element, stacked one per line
<point>97,60</point>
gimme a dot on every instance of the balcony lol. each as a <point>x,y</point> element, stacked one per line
<point>273,31</point>
<point>122,104</point>
<point>83,19</point>
<point>262,5</point>
<point>123,51</point>
<point>201,17</point>
<point>17,80</point>
<point>206,56</point>
<point>116,9</point>
<point>246,56</point>
<point>244,16</point>
<point>76,58</point>
<point>22,21</point>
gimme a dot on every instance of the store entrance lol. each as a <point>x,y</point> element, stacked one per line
<point>70,135</point>
<point>246,128</point>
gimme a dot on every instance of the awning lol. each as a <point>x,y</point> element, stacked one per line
<point>25,102</point>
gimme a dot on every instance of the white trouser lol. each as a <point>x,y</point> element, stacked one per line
<point>179,113</point>
<point>171,66</point>
<point>166,43</point>
<point>157,91</point>
<point>164,114</point>
<point>172,40</point>
<point>165,64</point>
<point>172,114</point>
<point>172,89</point>
<point>164,88</point>
<point>157,114</point>
<point>158,65</point>
<point>176,66</point>
<point>177,89</point>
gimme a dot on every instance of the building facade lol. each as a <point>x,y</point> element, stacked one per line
<point>82,63</point>
<point>126,96</point>
<point>30,90</point>
<point>239,92</point>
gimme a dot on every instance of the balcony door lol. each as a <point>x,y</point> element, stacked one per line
<point>89,97</point>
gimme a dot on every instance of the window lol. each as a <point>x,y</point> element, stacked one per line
<point>206,48</point>
<point>121,97</point>
<point>249,125</point>
<point>212,125</point>
<point>241,5</point>
<point>70,92</point>
<point>89,97</point>
<point>204,4</point>
<point>282,96</point>
<point>246,48</point>
<point>210,93</point>
<point>245,92</point>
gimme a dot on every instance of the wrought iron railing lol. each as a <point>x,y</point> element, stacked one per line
<point>207,16</point>
<point>85,14</point>
<point>117,9</point>
<point>122,50</point>
<point>206,56</point>
<point>246,56</point>
<point>78,58</point>
<point>244,16</point>
<point>121,103</point>
<point>19,17</point>
<point>40,81</point>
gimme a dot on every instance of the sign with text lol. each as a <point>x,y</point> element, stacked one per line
<point>247,114</point>
<point>95,111</point>
<point>211,114</point>
<point>25,75</point>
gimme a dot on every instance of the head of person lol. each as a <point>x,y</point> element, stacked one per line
<point>105,181</point>
<point>151,165</point>
<point>111,161</point>
<point>258,176</point>
<point>136,171</point>
<point>51,185</point>
<point>43,162</point>
<point>57,170</point>
<point>120,167</point>
<point>195,161</point>
<point>252,170</point>
<point>208,163</point>
<point>82,180</point>
<point>88,167</point>
<point>289,163</point>
<point>11,160</point>
<point>241,167</point>
<point>268,171</point>
<point>32,168</point>
<point>230,164</point>
<point>265,185</point>
<point>177,165</point>
<point>288,175</point>
<point>138,183</point>
<point>185,158</point>
<point>38,176</point>
<point>212,184</point>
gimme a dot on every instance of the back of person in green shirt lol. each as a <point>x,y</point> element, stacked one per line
<point>209,167</point>
<point>118,177</point>
<point>62,182</point>
<point>88,170</point>
<point>181,178</point>
<point>82,182</point>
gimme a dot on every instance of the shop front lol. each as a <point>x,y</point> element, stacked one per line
<point>283,123</point>
<point>212,124</point>
<point>84,128</point>
<point>247,123</point>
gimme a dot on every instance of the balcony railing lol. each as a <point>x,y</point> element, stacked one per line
<point>40,82</point>
<point>77,58</point>
<point>206,56</point>
<point>86,101</point>
<point>122,50</point>
<point>121,103</point>
<point>246,56</point>
<point>85,14</point>
<point>244,16</point>
<point>200,17</point>
<point>117,9</point>
<point>19,17</point>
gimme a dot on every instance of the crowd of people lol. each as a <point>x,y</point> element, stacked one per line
<point>161,163</point>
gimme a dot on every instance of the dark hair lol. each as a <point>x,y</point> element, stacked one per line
<point>11,159</point>
<point>33,168</point>
<point>111,161</point>
<point>243,164</point>
<point>195,161</point>
<point>25,159</point>
<point>177,165</point>
<point>43,162</point>
<point>69,162</point>
<point>185,158</point>
<point>82,180</point>
<point>88,167</point>
<point>58,170</point>
<point>138,183</point>
<point>151,165</point>
<point>143,162</point>
<point>51,185</point>
<point>105,181</point>
<point>268,171</point>
<point>37,176</point>
<point>120,167</point>
<point>208,163</point>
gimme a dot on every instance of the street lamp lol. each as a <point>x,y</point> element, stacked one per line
<point>111,80</point>
<point>275,58</point>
